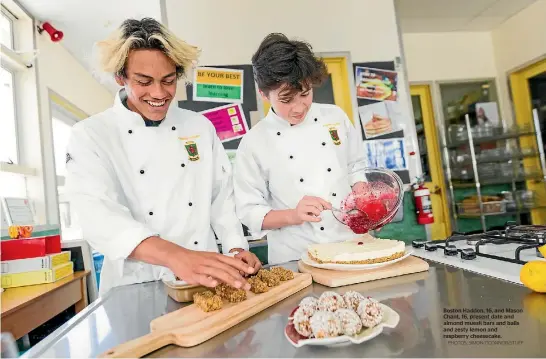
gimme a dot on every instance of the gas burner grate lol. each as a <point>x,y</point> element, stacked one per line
<point>528,237</point>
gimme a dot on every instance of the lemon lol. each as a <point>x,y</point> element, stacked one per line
<point>533,276</point>
<point>542,250</point>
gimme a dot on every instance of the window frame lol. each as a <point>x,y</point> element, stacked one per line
<point>5,13</point>
<point>13,74</point>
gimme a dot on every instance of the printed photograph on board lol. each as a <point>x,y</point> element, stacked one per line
<point>487,114</point>
<point>376,84</point>
<point>389,154</point>
<point>381,118</point>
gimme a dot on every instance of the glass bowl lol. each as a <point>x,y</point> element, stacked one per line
<point>367,198</point>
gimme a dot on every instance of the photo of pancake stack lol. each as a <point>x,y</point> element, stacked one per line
<point>380,118</point>
<point>378,125</point>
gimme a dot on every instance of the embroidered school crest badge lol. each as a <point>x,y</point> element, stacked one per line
<point>193,153</point>
<point>335,137</point>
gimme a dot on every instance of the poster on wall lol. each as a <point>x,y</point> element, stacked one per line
<point>389,154</point>
<point>218,85</point>
<point>487,114</point>
<point>229,121</point>
<point>376,84</point>
<point>381,118</point>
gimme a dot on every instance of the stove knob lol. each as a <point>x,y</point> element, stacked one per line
<point>468,253</point>
<point>418,243</point>
<point>430,246</point>
<point>450,250</point>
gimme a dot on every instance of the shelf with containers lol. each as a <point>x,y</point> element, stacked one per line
<point>487,176</point>
<point>492,168</point>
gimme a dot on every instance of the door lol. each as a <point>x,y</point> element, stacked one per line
<point>336,90</point>
<point>431,162</point>
<point>528,93</point>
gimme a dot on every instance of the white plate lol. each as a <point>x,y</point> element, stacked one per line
<point>390,320</point>
<point>350,267</point>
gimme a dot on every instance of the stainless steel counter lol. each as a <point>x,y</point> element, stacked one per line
<point>421,300</point>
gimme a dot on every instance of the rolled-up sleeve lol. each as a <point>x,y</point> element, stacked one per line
<point>95,194</point>
<point>224,221</point>
<point>250,192</point>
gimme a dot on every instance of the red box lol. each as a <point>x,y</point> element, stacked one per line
<point>23,248</point>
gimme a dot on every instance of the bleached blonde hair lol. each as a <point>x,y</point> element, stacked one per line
<point>143,34</point>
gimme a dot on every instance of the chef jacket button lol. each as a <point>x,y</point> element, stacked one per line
<point>329,170</point>
<point>173,128</point>
<point>291,157</point>
<point>183,165</point>
<point>190,204</point>
<point>130,131</point>
<point>324,143</point>
<point>151,213</point>
<point>301,179</point>
<point>322,228</point>
<point>333,194</point>
<point>278,133</point>
<point>141,172</point>
<point>195,242</point>
<point>316,120</point>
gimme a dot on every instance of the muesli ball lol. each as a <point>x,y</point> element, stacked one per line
<point>350,321</point>
<point>330,302</point>
<point>325,325</point>
<point>370,312</point>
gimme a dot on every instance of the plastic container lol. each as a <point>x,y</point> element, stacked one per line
<point>98,259</point>
<point>493,207</point>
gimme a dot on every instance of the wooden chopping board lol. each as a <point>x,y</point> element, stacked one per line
<point>190,326</point>
<point>333,278</point>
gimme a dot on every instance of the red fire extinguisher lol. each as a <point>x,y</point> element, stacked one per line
<point>423,205</point>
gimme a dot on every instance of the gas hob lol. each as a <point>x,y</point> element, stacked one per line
<point>498,253</point>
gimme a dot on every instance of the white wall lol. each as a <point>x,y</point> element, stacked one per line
<point>230,31</point>
<point>60,72</point>
<point>449,56</point>
<point>518,42</point>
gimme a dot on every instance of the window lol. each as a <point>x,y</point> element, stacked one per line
<point>62,121</point>
<point>61,135</point>
<point>13,185</point>
<point>8,128</point>
<point>6,31</point>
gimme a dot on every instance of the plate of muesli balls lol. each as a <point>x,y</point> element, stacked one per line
<point>334,319</point>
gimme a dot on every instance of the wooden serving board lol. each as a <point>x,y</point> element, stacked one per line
<point>190,326</point>
<point>333,278</point>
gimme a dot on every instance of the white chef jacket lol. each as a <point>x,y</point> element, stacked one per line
<point>277,164</point>
<point>128,182</point>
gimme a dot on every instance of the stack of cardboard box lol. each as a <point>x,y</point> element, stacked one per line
<point>35,260</point>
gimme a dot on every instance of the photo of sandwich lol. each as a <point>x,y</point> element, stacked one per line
<point>376,84</point>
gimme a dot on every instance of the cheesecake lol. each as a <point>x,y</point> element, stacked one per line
<point>366,251</point>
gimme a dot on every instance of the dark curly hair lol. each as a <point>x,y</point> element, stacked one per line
<point>288,63</point>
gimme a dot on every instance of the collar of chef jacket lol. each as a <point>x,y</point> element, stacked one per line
<point>281,123</point>
<point>134,119</point>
